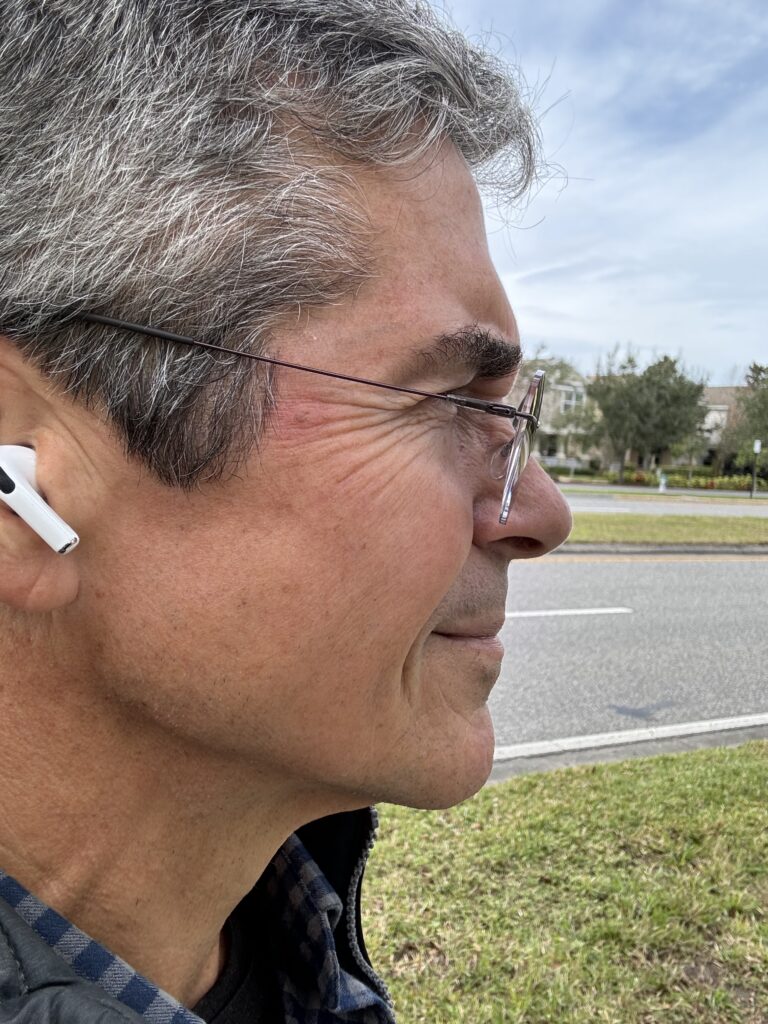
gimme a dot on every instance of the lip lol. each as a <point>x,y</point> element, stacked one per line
<point>473,630</point>
<point>482,643</point>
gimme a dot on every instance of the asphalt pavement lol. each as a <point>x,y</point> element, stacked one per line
<point>634,644</point>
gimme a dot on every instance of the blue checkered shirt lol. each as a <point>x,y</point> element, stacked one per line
<point>315,988</point>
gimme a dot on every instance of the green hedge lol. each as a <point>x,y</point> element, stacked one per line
<point>645,478</point>
<point>697,470</point>
<point>640,477</point>
<point>716,483</point>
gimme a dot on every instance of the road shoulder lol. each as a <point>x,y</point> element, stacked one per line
<point>580,548</point>
<point>645,748</point>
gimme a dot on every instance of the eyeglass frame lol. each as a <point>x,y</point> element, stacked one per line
<point>517,449</point>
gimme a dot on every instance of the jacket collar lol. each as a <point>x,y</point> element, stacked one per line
<point>313,885</point>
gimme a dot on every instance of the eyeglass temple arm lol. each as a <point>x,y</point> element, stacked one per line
<point>492,408</point>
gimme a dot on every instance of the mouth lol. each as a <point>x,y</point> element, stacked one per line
<point>482,638</point>
<point>486,630</point>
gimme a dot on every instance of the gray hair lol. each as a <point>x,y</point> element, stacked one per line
<point>187,165</point>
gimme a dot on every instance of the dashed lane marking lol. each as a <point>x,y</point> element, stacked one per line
<point>544,613</point>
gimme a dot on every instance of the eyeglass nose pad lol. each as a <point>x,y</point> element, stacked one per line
<point>499,460</point>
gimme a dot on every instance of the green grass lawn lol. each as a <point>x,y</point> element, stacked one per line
<point>630,893</point>
<point>609,528</point>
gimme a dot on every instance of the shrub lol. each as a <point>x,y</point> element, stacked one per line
<point>676,470</point>
<point>716,483</point>
<point>638,477</point>
<point>644,478</point>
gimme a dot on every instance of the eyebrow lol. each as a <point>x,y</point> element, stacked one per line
<point>470,348</point>
<point>488,355</point>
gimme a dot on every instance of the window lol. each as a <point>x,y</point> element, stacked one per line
<point>570,399</point>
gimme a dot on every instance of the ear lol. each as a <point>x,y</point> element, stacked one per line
<point>32,576</point>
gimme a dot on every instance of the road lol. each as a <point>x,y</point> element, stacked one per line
<point>628,491</point>
<point>691,643</point>
<point>657,506</point>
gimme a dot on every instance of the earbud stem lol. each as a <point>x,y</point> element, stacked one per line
<point>18,490</point>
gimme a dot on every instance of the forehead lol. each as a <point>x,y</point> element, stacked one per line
<point>434,295</point>
<point>429,233</point>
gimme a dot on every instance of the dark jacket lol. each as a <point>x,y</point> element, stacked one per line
<point>38,987</point>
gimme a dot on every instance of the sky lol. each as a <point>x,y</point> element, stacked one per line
<point>651,231</point>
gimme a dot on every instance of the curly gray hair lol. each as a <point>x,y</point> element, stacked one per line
<point>188,165</point>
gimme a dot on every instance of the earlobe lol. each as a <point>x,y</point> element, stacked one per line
<point>33,578</point>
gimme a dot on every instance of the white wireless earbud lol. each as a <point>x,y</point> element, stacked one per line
<point>18,489</point>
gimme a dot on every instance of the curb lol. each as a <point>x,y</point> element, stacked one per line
<point>624,737</point>
<point>662,549</point>
<point>503,770</point>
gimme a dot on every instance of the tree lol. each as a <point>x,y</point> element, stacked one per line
<point>673,408</point>
<point>751,421</point>
<point>616,393</point>
<point>559,371</point>
<point>648,411</point>
<point>692,447</point>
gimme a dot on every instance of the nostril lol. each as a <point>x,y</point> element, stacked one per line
<point>528,547</point>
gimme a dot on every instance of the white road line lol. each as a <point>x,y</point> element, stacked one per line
<point>626,736</point>
<point>570,611</point>
<point>603,508</point>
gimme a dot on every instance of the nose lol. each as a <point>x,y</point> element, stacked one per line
<point>539,520</point>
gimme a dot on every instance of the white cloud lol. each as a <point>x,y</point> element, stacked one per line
<point>660,238</point>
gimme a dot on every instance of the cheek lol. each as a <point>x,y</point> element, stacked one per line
<point>303,582</point>
<point>353,465</point>
<point>398,534</point>
<point>383,514</point>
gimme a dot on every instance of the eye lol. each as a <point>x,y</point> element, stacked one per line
<point>497,388</point>
<point>487,389</point>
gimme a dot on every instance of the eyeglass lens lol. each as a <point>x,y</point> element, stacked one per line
<point>509,461</point>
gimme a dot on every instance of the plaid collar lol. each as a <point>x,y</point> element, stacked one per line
<point>306,912</point>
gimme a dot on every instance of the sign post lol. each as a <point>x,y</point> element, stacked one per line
<point>756,448</point>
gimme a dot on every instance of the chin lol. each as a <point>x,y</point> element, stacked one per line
<point>447,771</point>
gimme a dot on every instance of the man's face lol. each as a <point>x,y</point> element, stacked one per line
<point>328,616</point>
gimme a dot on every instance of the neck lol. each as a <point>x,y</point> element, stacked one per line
<point>144,844</point>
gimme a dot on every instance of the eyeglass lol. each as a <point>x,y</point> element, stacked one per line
<point>507,462</point>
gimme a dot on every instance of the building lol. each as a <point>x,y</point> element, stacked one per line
<point>722,406</point>
<point>557,443</point>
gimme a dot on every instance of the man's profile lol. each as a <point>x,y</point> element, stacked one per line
<point>284,603</point>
